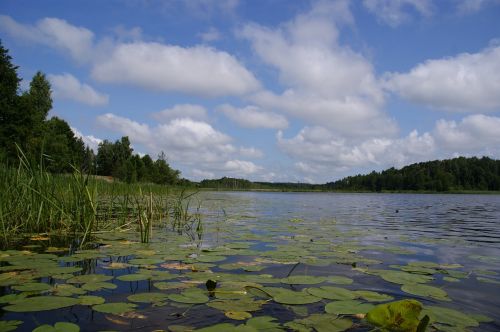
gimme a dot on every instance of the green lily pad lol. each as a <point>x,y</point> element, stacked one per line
<point>286,296</point>
<point>396,316</point>
<point>399,277</point>
<point>9,325</point>
<point>32,287</point>
<point>264,323</point>
<point>244,304</point>
<point>147,297</point>
<point>238,315</point>
<point>348,307</point>
<point>58,327</point>
<point>192,296</point>
<point>488,280</point>
<point>303,280</point>
<point>426,291</point>
<point>91,300</point>
<point>87,278</point>
<point>133,277</point>
<point>339,280</point>
<point>67,290</point>
<point>12,297</point>
<point>172,285</point>
<point>226,327</point>
<point>114,307</point>
<point>96,286</point>
<point>449,316</point>
<point>320,323</point>
<point>41,303</point>
<point>145,261</point>
<point>373,296</point>
<point>210,258</point>
<point>332,293</point>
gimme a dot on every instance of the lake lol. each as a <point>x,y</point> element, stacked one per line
<point>281,261</point>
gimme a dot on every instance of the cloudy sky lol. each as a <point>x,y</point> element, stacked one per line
<point>270,90</point>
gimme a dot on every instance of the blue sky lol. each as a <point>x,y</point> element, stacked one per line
<point>270,90</point>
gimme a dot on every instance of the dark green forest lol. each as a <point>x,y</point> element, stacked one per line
<point>27,131</point>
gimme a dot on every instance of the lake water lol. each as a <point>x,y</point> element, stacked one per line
<point>260,247</point>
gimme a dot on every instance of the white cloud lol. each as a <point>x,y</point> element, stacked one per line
<point>251,152</point>
<point>317,150</point>
<point>396,12</point>
<point>212,34</point>
<point>477,134</point>
<point>253,117</point>
<point>89,140</point>
<point>66,86</point>
<point>241,167</point>
<point>326,83</point>
<point>473,6</point>
<point>192,111</point>
<point>53,32</point>
<point>197,70</point>
<point>199,174</point>
<point>464,83</point>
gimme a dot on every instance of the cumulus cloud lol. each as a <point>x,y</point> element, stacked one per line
<point>476,134</point>
<point>396,12</point>
<point>212,34</point>
<point>66,86</point>
<point>473,6</point>
<point>53,32</point>
<point>251,152</point>
<point>89,140</point>
<point>464,83</point>
<point>192,111</point>
<point>197,70</point>
<point>326,83</point>
<point>185,141</point>
<point>253,117</point>
<point>317,148</point>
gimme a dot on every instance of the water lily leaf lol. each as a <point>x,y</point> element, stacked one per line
<point>303,280</point>
<point>91,300</point>
<point>147,297</point>
<point>114,307</point>
<point>96,286</point>
<point>116,266</point>
<point>426,291</point>
<point>180,328</point>
<point>339,280</point>
<point>226,327</point>
<point>58,327</point>
<point>12,297</point>
<point>373,296</point>
<point>488,280</point>
<point>210,258</point>
<point>67,290</point>
<point>192,296</point>
<point>449,316</point>
<point>396,316</point>
<point>399,277</point>
<point>286,296</point>
<point>332,293</point>
<point>134,277</point>
<point>172,285</point>
<point>321,323</point>
<point>32,287</point>
<point>238,315</point>
<point>348,307</point>
<point>41,303</point>
<point>451,279</point>
<point>9,325</point>
<point>87,278</point>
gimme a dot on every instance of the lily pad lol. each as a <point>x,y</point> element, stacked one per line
<point>339,280</point>
<point>373,296</point>
<point>399,277</point>
<point>246,304</point>
<point>303,280</point>
<point>147,297</point>
<point>91,300</point>
<point>348,307</point>
<point>264,323</point>
<point>192,296</point>
<point>134,277</point>
<point>114,307</point>
<point>426,291</point>
<point>449,316</point>
<point>86,278</point>
<point>396,316</point>
<point>96,286</point>
<point>32,287</point>
<point>41,303</point>
<point>9,325</point>
<point>145,261</point>
<point>58,327</point>
<point>320,323</point>
<point>332,293</point>
<point>238,315</point>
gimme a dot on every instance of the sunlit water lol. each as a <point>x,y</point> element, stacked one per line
<point>392,228</point>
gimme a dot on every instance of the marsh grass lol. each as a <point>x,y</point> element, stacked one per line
<point>34,201</point>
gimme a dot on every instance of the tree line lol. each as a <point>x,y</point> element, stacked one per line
<point>26,130</point>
